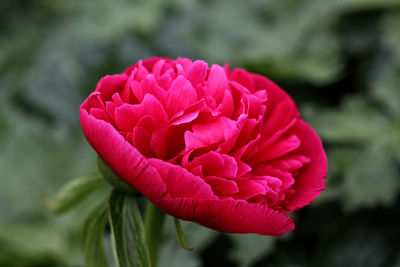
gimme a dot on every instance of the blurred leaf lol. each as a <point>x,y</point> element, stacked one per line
<point>127,228</point>
<point>35,241</point>
<point>180,235</point>
<point>93,233</point>
<point>356,247</point>
<point>356,121</point>
<point>371,179</point>
<point>249,248</point>
<point>74,192</point>
<point>386,86</point>
<point>391,35</point>
<point>351,5</point>
<point>390,140</point>
<point>172,254</point>
<point>32,155</point>
<point>292,44</point>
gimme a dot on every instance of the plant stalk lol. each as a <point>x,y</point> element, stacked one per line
<point>153,224</point>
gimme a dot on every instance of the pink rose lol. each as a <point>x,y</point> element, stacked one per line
<point>227,149</point>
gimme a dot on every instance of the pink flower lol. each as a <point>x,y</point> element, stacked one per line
<point>227,149</point>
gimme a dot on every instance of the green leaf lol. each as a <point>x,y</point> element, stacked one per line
<point>180,235</point>
<point>113,179</point>
<point>127,228</point>
<point>249,248</point>
<point>356,121</point>
<point>172,254</point>
<point>93,232</point>
<point>371,179</point>
<point>74,192</point>
<point>386,87</point>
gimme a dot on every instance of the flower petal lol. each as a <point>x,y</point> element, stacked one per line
<point>217,82</point>
<point>215,164</point>
<point>242,76</point>
<point>276,150</point>
<point>197,72</point>
<point>111,84</point>
<point>181,94</point>
<point>122,157</point>
<point>311,180</point>
<point>210,133</point>
<point>232,216</point>
<point>182,183</point>
<point>127,116</point>
<point>222,186</point>
<point>249,189</point>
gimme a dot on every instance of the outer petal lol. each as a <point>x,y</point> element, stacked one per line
<point>122,157</point>
<point>182,183</point>
<point>148,63</point>
<point>281,107</point>
<point>233,216</point>
<point>111,84</point>
<point>311,180</point>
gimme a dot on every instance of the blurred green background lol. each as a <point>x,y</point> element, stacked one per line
<point>339,59</point>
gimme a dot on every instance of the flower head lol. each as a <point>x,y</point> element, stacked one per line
<point>224,148</point>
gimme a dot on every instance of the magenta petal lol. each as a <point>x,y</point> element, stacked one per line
<point>111,84</point>
<point>286,178</point>
<point>182,183</point>
<point>151,62</point>
<point>122,157</point>
<point>197,72</point>
<point>311,180</point>
<point>210,133</point>
<point>127,116</point>
<point>217,82</point>
<point>242,76</point>
<point>181,94</point>
<point>249,189</point>
<point>290,163</point>
<point>278,149</point>
<point>222,186</point>
<point>232,216</point>
<point>227,106</point>
<point>156,70</point>
<point>93,101</point>
<point>215,164</point>
<point>141,72</point>
<point>185,118</point>
<point>100,114</point>
<point>158,142</point>
<point>165,81</point>
<point>184,62</point>
<point>149,123</point>
<point>141,140</point>
<point>149,86</point>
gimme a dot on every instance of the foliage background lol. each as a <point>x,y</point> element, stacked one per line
<point>339,59</point>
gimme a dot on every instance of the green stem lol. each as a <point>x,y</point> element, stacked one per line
<point>153,224</point>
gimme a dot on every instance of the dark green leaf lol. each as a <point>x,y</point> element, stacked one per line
<point>93,232</point>
<point>180,235</point>
<point>74,192</point>
<point>127,228</point>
